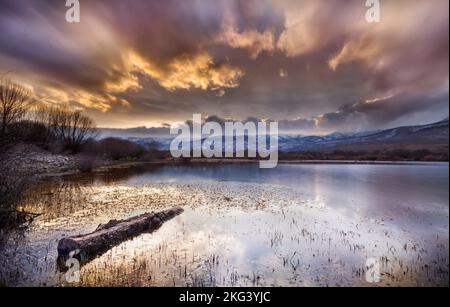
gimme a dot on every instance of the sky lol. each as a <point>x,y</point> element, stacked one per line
<point>314,66</point>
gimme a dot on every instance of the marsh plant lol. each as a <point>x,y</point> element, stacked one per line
<point>11,190</point>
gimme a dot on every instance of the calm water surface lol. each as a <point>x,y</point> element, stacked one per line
<point>295,225</point>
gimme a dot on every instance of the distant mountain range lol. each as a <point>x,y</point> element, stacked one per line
<point>432,137</point>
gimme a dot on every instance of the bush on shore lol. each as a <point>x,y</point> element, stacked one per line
<point>115,149</point>
<point>86,163</point>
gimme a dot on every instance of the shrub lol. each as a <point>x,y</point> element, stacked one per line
<point>115,148</point>
<point>86,163</point>
<point>11,190</point>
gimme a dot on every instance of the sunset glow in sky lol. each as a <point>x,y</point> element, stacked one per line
<point>315,66</point>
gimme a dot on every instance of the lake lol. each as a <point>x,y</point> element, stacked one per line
<point>295,225</point>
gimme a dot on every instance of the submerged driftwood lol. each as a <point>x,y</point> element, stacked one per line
<point>88,246</point>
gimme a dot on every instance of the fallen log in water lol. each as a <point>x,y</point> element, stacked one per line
<point>88,246</point>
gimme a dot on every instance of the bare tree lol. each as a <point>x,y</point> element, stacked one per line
<point>80,129</point>
<point>14,102</point>
<point>70,127</point>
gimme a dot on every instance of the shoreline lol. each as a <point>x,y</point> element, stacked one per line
<point>117,165</point>
<point>35,163</point>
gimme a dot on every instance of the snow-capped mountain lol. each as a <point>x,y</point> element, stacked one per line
<point>410,137</point>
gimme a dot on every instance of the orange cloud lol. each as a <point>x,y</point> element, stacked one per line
<point>128,82</point>
<point>360,49</point>
<point>298,40</point>
<point>253,41</point>
<point>82,98</point>
<point>189,72</point>
<point>183,72</point>
<point>100,102</point>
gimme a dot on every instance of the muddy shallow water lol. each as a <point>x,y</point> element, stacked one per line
<point>296,225</point>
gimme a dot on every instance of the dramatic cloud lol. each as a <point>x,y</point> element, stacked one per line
<point>372,114</point>
<point>407,51</point>
<point>189,71</point>
<point>356,50</point>
<point>380,112</point>
<point>253,41</point>
<point>302,62</point>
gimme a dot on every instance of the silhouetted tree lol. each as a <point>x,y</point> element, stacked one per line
<point>72,128</point>
<point>14,102</point>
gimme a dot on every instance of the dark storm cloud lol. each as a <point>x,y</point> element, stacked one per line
<point>139,62</point>
<point>36,36</point>
<point>382,112</point>
<point>360,116</point>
